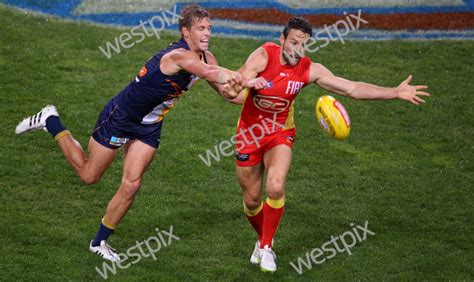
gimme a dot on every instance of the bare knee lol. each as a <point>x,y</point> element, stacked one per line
<point>129,188</point>
<point>89,176</point>
<point>89,179</point>
<point>252,194</point>
<point>250,179</point>
<point>252,202</point>
<point>276,188</point>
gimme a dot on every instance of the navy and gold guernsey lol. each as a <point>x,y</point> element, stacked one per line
<point>137,112</point>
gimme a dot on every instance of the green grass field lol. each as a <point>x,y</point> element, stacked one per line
<point>407,170</point>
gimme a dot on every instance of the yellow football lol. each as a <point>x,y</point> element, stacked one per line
<point>333,117</point>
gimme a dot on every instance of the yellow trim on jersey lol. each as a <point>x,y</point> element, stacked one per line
<point>290,120</point>
<point>246,94</point>
<point>254,212</point>
<point>276,204</point>
<point>108,225</point>
<point>62,134</point>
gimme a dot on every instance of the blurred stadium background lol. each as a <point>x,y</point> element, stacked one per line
<point>393,19</point>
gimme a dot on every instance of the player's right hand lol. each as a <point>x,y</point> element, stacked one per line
<point>232,88</point>
<point>235,78</point>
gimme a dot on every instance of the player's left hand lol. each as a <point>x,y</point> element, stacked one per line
<point>411,93</point>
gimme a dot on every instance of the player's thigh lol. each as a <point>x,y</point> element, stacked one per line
<point>138,157</point>
<point>250,179</point>
<point>277,163</point>
<point>100,158</point>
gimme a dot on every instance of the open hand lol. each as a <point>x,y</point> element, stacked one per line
<point>411,93</point>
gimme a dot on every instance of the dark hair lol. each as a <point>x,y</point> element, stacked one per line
<point>299,24</point>
<point>191,12</point>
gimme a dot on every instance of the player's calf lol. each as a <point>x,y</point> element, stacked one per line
<point>129,188</point>
<point>272,212</point>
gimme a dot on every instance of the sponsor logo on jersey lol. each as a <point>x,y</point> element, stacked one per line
<point>269,85</point>
<point>241,157</point>
<point>293,87</point>
<point>270,104</point>
<point>118,141</point>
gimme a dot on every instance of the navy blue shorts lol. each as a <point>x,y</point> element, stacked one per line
<point>114,129</point>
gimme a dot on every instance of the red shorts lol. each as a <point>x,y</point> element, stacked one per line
<point>250,153</point>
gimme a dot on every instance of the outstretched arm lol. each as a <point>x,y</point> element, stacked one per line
<point>189,61</point>
<point>220,88</point>
<point>255,64</point>
<point>366,91</point>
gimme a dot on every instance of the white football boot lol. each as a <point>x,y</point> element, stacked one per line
<point>267,260</point>
<point>37,121</point>
<point>255,258</point>
<point>104,250</point>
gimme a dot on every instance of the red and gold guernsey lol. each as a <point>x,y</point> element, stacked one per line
<point>267,114</point>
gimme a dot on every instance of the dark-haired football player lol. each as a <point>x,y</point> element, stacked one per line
<point>278,73</point>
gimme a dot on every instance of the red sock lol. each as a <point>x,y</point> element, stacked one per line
<point>255,218</point>
<point>272,212</point>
